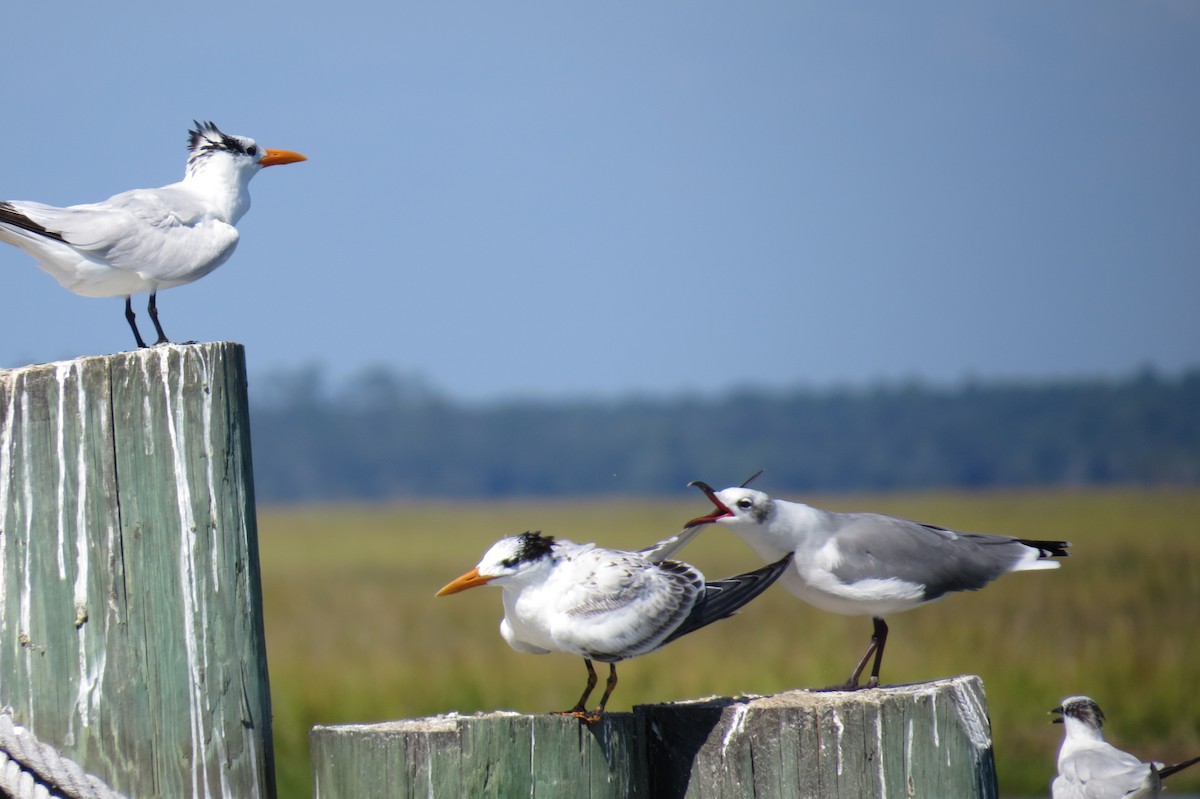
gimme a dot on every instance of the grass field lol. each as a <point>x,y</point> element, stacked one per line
<point>355,634</point>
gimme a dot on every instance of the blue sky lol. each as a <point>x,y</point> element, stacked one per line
<point>557,199</point>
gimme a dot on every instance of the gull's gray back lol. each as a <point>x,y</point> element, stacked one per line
<point>874,546</point>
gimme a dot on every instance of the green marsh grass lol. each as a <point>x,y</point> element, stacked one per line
<point>355,634</point>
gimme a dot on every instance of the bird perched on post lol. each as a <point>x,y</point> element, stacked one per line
<point>147,239</point>
<point>869,564</point>
<point>602,604</point>
<point>1091,768</point>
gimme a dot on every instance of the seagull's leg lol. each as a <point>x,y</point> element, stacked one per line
<point>852,683</point>
<point>130,317</point>
<point>152,307</point>
<point>580,706</point>
<point>879,639</point>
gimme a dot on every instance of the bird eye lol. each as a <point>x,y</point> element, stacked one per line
<point>251,150</point>
<point>744,503</point>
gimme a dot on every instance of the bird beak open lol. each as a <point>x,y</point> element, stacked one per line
<point>469,580</point>
<point>721,512</point>
<point>276,157</point>
<point>1058,715</point>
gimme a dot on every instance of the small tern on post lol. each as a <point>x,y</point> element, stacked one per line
<point>147,239</point>
<point>1091,768</point>
<point>867,564</point>
<point>602,604</point>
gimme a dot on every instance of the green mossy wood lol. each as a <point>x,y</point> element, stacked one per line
<point>932,739</point>
<point>130,604</point>
<point>494,754</point>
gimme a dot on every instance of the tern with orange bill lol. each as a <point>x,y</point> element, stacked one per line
<point>604,605</point>
<point>145,240</point>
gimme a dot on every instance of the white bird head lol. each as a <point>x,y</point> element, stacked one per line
<point>220,167</point>
<point>510,560</point>
<point>734,506</point>
<point>209,147</point>
<point>1080,713</point>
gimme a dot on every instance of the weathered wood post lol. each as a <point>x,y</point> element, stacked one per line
<point>493,754</point>
<point>931,739</point>
<point>130,608</point>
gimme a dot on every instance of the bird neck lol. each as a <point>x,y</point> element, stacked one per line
<point>222,187</point>
<point>1079,731</point>
<point>769,539</point>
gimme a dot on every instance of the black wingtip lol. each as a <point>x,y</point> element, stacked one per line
<point>752,477</point>
<point>723,598</point>
<point>11,216</point>
<point>1048,549</point>
<point>1169,770</point>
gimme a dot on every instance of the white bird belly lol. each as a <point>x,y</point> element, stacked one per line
<point>812,578</point>
<point>870,597</point>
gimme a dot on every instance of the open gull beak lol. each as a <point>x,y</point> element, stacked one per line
<point>276,157</point>
<point>471,579</point>
<point>721,512</point>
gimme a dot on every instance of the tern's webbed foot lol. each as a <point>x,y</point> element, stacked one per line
<point>587,717</point>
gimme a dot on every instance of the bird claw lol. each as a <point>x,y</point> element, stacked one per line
<point>587,717</point>
<point>847,686</point>
<point>842,686</point>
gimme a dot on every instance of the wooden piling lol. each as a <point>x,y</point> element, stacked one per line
<point>130,603</point>
<point>931,739</point>
<point>491,754</point>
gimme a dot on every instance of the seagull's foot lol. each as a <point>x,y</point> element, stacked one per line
<point>849,685</point>
<point>842,686</point>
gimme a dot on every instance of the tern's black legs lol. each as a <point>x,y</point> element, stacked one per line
<point>591,683</point>
<point>878,640</point>
<point>580,710</point>
<point>131,317</point>
<point>608,689</point>
<point>152,307</point>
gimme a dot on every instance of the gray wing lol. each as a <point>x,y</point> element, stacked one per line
<point>158,233</point>
<point>1104,774</point>
<point>626,605</point>
<point>874,546</point>
<point>667,548</point>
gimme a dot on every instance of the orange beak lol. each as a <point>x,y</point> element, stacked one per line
<point>471,579</point>
<point>274,157</point>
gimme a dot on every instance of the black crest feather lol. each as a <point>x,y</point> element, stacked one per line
<point>1084,709</point>
<point>534,545</point>
<point>207,136</point>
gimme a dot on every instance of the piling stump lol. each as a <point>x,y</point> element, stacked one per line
<point>931,739</point>
<point>130,602</point>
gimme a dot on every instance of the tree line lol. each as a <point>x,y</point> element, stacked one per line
<point>385,435</point>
